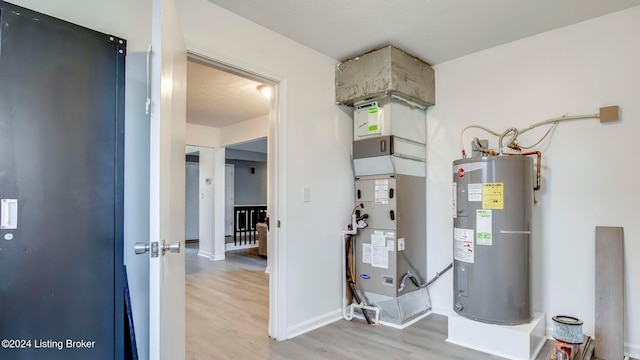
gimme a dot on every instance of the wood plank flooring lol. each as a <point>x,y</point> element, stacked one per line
<point>227,313</point>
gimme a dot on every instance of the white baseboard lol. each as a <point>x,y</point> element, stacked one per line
<point>445,311</point>
<point>632,350</point>
<point>312,324</point>
<point>231,246</point>
<point>407,324</point>
<point>210,256</point>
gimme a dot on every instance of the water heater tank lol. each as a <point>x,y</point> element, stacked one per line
<point>493,200</point>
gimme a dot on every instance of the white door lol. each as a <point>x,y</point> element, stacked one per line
<point>167,183</point>
<point>229,201</point>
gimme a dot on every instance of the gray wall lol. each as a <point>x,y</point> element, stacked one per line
<point>249,189</point>
<point>192,201</point>
<point>136,194</point>
<point>235,154</point>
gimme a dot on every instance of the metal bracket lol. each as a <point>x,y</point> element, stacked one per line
<point>121,44</point>
<point>155,249</point>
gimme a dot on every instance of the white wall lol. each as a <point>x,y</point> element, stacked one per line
<point>313,149</point>
<point>243,131</point>
<point>198,135</point>
<point>207,201</point>
<point>249,129</point>
<point>589,171</point>
<point>130,20</point>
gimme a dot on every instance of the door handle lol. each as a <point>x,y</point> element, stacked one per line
<point>142,248</point>
<point>173,247</point>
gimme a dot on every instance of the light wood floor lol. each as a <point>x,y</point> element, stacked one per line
<point>227,312</point>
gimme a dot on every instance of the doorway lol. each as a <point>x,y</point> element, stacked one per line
<point>222,139</point>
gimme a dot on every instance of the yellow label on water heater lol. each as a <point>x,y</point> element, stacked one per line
<point>493,196</point>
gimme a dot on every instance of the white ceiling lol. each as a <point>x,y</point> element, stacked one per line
<point>432,30</point>
<point>216,98</point>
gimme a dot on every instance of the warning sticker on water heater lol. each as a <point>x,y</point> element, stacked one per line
<point>493,196</point>
<point>463,249</point>
<point>483,227</point>
<point>474,192</point>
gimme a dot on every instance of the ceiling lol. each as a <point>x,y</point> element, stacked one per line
<point>217,98</point>
<point>432,30</point>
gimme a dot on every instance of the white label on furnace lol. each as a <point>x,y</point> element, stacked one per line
<point>378,240</point>
<point>474,192</point>
<point>380,257</point>
<point>483,227</point>
<point>463,248</point>
<point>391,245</point>
<point>366,253</point>
<point>390,236</point>
<point>401,244</point>
<point>454,195</point>
<point>382,191</point>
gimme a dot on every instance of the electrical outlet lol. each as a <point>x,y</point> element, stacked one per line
<point>306,194</point>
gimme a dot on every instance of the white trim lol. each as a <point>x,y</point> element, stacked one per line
<point>277,170</point>
<point>232,64</point>
<point>231,246</point>
<point>632,350</point>
<point>210,256</point>
<point>445,311</point>
<point>204,254</point>
<point>405,325</point>
<point>277,206</point>
<point>216,257</point>
<point>315,323</point>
